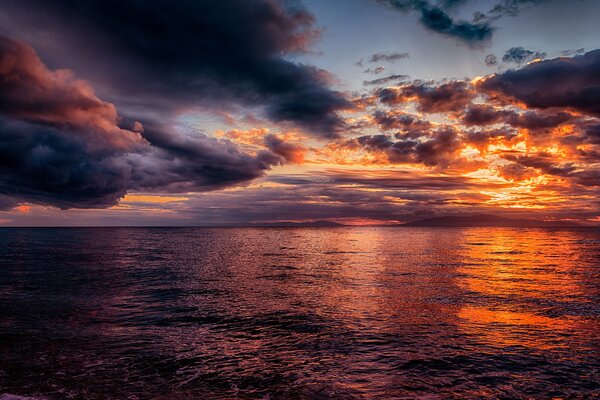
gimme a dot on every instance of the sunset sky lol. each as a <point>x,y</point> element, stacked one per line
<point>251,111</point>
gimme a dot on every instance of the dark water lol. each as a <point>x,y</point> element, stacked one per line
<point>300,313</point>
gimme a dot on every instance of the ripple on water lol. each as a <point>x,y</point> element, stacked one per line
<point>350,313</point>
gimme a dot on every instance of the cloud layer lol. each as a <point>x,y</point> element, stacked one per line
<point>61,145</point>
<point>104,101</point>
<point>174,55</point>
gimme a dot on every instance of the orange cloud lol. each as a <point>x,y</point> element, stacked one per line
<point>32,92</point>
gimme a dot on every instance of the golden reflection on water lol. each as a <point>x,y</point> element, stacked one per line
<point>494,284</point>
<point>523,328</point>
<point>500,286</point>
<point>521,271</point>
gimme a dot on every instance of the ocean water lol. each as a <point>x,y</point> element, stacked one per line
<point>340,313</point>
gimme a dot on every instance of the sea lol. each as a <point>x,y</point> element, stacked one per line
<point>299,313</point>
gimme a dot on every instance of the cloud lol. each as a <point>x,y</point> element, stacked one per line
<point>547,163</point>
<point>511,8</point>
<point>537,120</point>
<point>399,120</point>
<point>544,162</point>
<point>389,57</point>
<point>386,80</point>
<point>29,91</point>
<point>570,83</point>
<point>537,124</point>
<point>434,148</point>
<point>519,55</point>
<point>483,138</point>
<point>374,71</point>
<point>436,19</point>
<point>389,195</point>
<point>482,115</point>
<point>516,172</point>
<point>407,180</point>
<point>572,52</point>
<point>291,152</point>
<point>437,16</point>
<point>164,58</point>
<point>7,203</point>
<point>593,132</point>
<point>40,164</point>
<point>491,60</point>
<point>121,124</point>
<point>451,96</point>
<point>61,145</point>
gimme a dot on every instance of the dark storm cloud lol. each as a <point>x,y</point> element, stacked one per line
<point>436,19</point>
<point>40,164</point>
<point>572,83</point>
<point>61,145</point>
<point>447,97</point>
<point>386,80</point>
<point>43,165</point>
<point>519,55</point>
<point>180,161</point>
<point>171,55</point>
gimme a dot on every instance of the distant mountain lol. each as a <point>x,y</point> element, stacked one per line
<point>484,220</point>
<point>311,224</point>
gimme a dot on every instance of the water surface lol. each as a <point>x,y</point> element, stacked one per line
<point>161,313</point>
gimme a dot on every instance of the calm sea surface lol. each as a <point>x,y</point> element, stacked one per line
<point>186,313</point>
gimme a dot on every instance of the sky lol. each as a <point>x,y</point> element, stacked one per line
<point>256,111</point>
